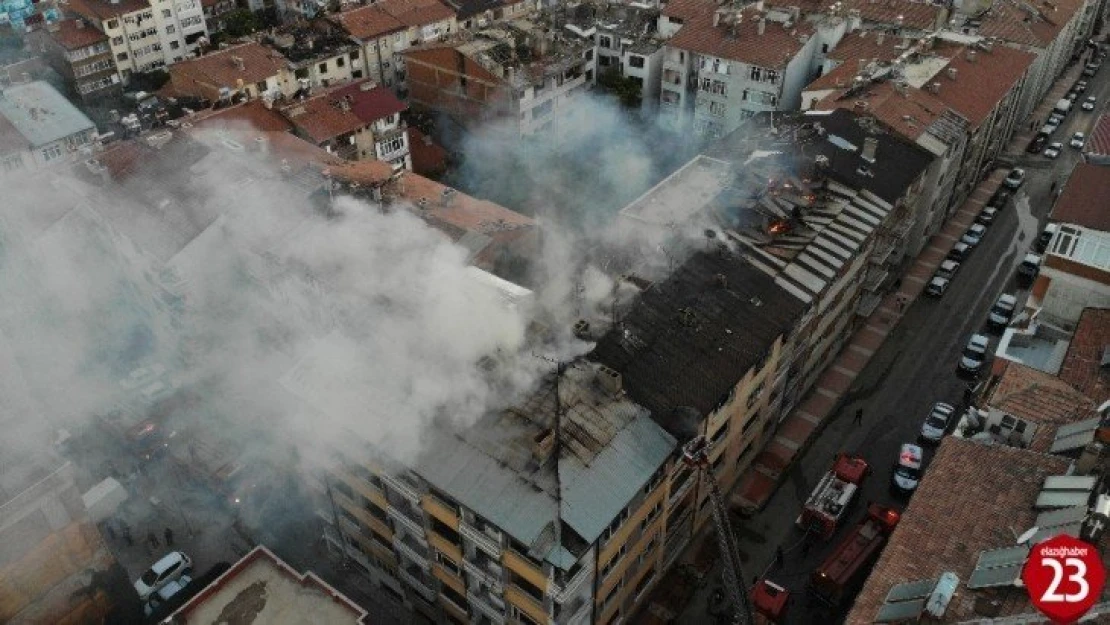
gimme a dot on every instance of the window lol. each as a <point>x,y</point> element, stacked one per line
<point>398,37</point>
<point>604,61</point>
<point>390,146</point>
<point>171,29</point>
<point>261,86</point>
<point>655,480</point>
<point>613,561</point>
<point>635,61</point>
<point>589,56</point>
<point>354,54</point>
<point>113,24</point>
<point>651,515</point>
<point>323,68</point>
<point>447,563</point>
<point>719,434</point>
<point>122,56</point>
<point>117,41</point>
<point>705,84</point>
<point>756,392</point>
<point>719,87</point>
<point>772,76</point>
<point>453,596</point>
<point>615,525</point>
<point>167,13</point>
<point>340,62</point>
<point>645,581</point>
<point>174,45</point>
<point>526,586</point>
<point>824,48</point>
<point>717,108</point>
<point>756,74</point>
<point>604,42</point>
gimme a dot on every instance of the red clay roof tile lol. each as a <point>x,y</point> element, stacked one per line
<point>1082,366</point>
<point>773,49</point>
<point>220,69</point>
<point>71,36</point>
<point>1084,199</point>
<point>1040,398</point>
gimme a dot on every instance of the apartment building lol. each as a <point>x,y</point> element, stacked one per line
<point>248,70</point>
<point>385,29</point>
<point>39,127</point>
<point>359,121</point>
<point>81,55</point>
<point>721,68</point>
<point>214,13</point>
<point>478,14</point>
<point>625,44</point>
<point>515,73</point>
<point>319,53</point>
<point>145,35</point>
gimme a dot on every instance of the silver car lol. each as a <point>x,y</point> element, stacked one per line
<point>974,354</point>
<point>936,424</point>
<point>974,234</point>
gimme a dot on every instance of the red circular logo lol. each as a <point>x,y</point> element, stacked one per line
<point>1064,577</point>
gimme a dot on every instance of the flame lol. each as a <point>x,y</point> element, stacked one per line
<point>779,227</point>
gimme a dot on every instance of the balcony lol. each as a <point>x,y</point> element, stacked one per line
<point>449,515</point>
<point>679,491</point>
<point>401,488</point>
<point>524,568</point>
<point>399,517</point>
<point>875,279</point>
<point>490,606</point>
<point>571,588</point>
<point>415,579</point>
<point>482,539</point>
<point>409,547</point>
<point>485,571</point>
<point>530,606</point>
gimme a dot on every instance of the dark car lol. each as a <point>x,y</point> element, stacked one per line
<point>1037,144</point>
<point>1001,198</point>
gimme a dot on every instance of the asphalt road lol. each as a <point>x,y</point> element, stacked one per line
<point>914,368</point>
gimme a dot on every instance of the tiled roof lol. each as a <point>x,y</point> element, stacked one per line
<point>219,69</point>
<point>1083,201</point>
<point>1098,143</point>
<point>774,48</point>
<point>389,16</point>
<point>72,37</point>
<point>370,104</point>
<point>1007,21</point>
<point>322,117</point>
<point>980,84</point>
<point>915,15</point>
<point>251,115</point>
<point>368,172</point>
<point>689,340</point>
<point>689,9</point>
<point>865,44</point>
<point>1082,366</point>
<point>368,22</point>
<point>973,497</point>
<point>104,9</point>
<point>1043,399</point>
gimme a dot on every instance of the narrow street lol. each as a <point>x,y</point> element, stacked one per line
<point>914,368</point>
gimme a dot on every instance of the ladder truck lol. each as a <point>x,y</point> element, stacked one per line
<point>770,598</point>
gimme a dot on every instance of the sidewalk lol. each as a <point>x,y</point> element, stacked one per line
<point>797,431</point>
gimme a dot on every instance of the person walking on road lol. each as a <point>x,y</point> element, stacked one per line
<point>152,539</point>
<point>126,531</point>
<point>168,535</point>
<point>858,419</point>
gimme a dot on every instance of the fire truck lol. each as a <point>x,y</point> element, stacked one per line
<point>846,567</point>
<point>769,601</point>
<point>834,494</point>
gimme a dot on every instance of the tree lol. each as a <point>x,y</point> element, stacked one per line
<point>240,22</point>
<point>627,89</point>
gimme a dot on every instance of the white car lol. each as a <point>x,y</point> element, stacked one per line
<point>165,594</point>
<point>1078,140</point>
<point>1002,311</point>
<point>1014,179</point>
<point>1089,103</point>
<point>1053,150</point>
<point>936,424</point>
<point>974,234</point>
<point>975,354</point>
<point>907,473</point>
<point>171,567</point>
<point>937,286</point>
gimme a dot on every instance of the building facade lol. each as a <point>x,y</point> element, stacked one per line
<point>39,127</point>
<point>82,56</point>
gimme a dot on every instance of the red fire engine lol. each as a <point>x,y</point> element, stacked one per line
<point>834,495</point>
<point>849,563</point>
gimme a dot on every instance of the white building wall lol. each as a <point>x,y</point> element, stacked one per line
<point>1068,294</point>
<point>552,106</point>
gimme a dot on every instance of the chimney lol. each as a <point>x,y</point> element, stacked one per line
<point>762,25</point>
<point>238,63</point>
<point>79,24</point>
<point>952,73</point>
<point>262,144</point>
<point>934,87</point>
<point>543,444</point>
<point>609,379</point>
<point>870,145</point>
<point>971,56</point>
<point>716,18</point>
<point>879,37</point>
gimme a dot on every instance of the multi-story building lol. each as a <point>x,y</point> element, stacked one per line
<point>146,34</point>
<point>38,127</point>
<point>478,14</point>
<point>514,73</point>
<point>81,55</point>
<point>386,29</point>
<point>625,46</point>
<point>23,13</point>
<point>248,69</point>
<point>214,13</point>
<point>722,67</point>
<point>289,595</point>
<point>359,121</point>
<point>319,54</point>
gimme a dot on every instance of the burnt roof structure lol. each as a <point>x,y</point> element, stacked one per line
<point>689,340</point>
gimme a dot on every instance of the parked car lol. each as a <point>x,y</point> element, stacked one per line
<point>1037,144</point>
<point>974,234</point>
<point>1078,140</point>
<point>987,215</point>
<point>1072,95</point>
<point>1049,129</point>
<point>1055,119</point>
<point>974,354</point>
<point>1090,70</point>
<point>1089,103</point>
<point>937,286</point>
<point>1045,237</point>
<point>169,568</point>
<point>948,269</point>
<point>166,594</point>
<point>1053,150</point>
<point>907,471</point>
<point>1002,311</point>
<point>936,422</point>
<point>1001,198</point>
<point>1015,178</point>
<point>959,252</point>
<point>1028,269</point>
<point>1080,86</point>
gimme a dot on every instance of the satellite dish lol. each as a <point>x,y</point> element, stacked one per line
<point>1028,535</point>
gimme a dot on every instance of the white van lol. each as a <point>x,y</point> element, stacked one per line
<point>1062,107</point>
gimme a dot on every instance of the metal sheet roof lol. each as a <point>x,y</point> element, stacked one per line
<point>41,114</point>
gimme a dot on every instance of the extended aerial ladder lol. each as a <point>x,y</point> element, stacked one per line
<point>696,454</point>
